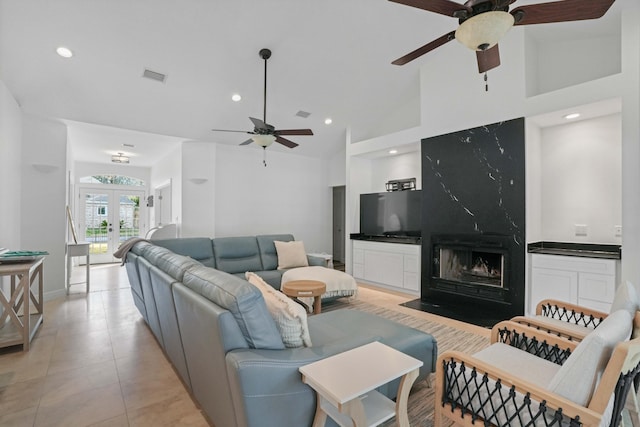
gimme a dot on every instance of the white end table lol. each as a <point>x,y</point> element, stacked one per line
<point>78,249</point>
<point>345,385</point>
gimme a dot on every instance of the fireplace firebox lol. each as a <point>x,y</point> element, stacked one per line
<point>473,266</point>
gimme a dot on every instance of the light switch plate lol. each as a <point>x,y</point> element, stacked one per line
<point>617,230</point>
<point>581,229</point>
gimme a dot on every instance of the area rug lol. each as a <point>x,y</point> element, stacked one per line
<point>421,399</point>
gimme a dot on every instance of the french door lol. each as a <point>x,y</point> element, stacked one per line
<point>108,218</point>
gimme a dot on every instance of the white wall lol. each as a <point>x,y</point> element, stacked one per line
<point>393,167</point>
<point>337,169</point>
<point>10,166</point>
<point>43,202</point>
<point>580,173</point>
<point>198,189</point>
<point>169,170</point>
<point>290,195</point>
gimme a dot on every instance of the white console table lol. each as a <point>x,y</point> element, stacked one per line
<point>74,250</point>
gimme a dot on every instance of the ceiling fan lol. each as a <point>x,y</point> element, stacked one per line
<point>263,133</point>
<point>484,22</point>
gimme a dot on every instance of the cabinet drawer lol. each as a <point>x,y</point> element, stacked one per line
<point>569,263</point>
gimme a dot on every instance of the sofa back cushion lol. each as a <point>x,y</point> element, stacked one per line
<point>152,252</point>
<point>268,252</point>
<point>242,299</point>
<point>579,374</point>
<point>237,254</point>
<point>175,265</point>
<point>626,298</point>
<point>198,248</point>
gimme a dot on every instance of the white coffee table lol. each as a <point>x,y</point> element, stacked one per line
<point>345,385</point>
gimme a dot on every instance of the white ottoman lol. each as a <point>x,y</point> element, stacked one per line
<point>339,283</point>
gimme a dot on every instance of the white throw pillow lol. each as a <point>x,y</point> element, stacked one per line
<point>290,317</point>
<point>291,254</point>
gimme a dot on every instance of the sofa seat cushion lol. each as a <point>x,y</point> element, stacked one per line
<point>237,254</point>
<point>290,317</point>
<point>198,248</point>
<point>578,331</point>
<point>242,299</point>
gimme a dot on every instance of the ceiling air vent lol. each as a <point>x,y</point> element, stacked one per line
<point>154,75</point>
<point>303,114</point>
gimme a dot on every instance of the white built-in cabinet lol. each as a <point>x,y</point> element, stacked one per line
<point>392,265</point>
<point>588,282</point>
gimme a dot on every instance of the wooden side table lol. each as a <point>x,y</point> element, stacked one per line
<point>345,385</point>
<point>305,289</point>
<point>21,325</point>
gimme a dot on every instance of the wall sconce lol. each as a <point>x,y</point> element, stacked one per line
<point>44,168</point>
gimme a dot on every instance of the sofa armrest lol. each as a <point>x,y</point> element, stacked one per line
<point>317,261</point>
<point>267,388</point>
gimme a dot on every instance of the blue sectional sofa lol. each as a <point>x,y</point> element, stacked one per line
<point>215,329</point>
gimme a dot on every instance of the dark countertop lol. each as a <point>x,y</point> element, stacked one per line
<point>408,240</point>
<point>587,250</point>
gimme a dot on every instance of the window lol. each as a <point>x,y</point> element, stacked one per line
<point>112,179</point>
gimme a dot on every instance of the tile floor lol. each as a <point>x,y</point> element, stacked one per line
<point>94,362</point>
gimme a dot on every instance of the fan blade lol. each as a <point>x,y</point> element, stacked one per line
<point>488,59</point>
<point>227,130</point>
<point>286,142</point>
<point>560,11</point>
<point>259,124</point>
<point>293,132</point>
<point>426,48</point>
<point>444,7</point>
<point>247,142</point>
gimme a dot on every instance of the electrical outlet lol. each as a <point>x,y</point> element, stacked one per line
<point>617,230</point>
<point>580,229</point>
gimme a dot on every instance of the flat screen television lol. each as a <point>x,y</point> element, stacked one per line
<point>395,213</point>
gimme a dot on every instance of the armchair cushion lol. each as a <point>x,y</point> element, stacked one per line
<point>578,376</point>
<point>626,298</point>
<point>290,317</point>
<point>291,254</point>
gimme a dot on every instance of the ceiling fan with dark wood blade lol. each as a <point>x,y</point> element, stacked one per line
<point>263,133</point>
<point>482,23</point>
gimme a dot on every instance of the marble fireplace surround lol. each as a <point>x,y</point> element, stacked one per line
<point>473,185</point>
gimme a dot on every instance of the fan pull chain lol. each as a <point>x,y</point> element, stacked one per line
<point>264,156</point>
<point>486,85</point>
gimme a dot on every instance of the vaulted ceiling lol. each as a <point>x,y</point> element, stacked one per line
<point>331,58</point>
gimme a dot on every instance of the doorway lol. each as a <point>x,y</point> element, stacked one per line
<point>339,201</point>
<point>107,218</point>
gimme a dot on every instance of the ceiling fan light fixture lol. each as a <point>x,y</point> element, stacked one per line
<point>483,31</point>
<point>263,140</point>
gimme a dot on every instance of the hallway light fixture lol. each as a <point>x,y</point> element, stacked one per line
<point>120,158</point>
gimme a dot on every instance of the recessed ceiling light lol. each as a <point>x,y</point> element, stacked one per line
<point>64,52</point>
<point>572,116</point>
<point>328,121</point>
<point>393,151</point>
<point>235,97</point>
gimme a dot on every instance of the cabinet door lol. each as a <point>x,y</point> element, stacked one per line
<point>384,267</point>
<point>557,284</point>
<point>596,290</point>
